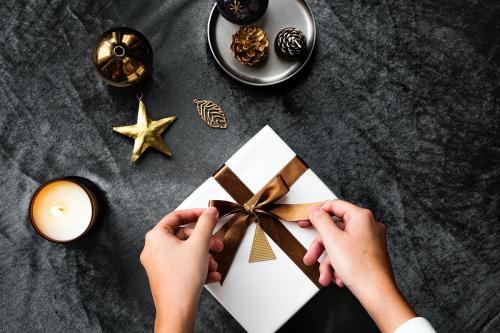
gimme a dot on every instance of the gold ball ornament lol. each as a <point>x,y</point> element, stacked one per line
<point>123,57</point>
<point>250,45</point>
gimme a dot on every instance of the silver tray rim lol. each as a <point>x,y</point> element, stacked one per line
<point>215,12</point>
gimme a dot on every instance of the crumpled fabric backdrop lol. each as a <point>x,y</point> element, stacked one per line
<point>399,112</point>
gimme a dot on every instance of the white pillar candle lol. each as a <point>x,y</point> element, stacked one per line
<point>63,210</point>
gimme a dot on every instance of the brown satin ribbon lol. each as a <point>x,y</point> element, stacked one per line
<point>263,209</point>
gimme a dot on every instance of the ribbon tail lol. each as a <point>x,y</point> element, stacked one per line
<point>290,245</point>
<point>292,212</point>
<point>232,235</point>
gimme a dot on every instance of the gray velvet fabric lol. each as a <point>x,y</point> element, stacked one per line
<point>399,112</point>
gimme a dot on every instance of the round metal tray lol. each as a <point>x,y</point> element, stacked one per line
<point>279,15</point>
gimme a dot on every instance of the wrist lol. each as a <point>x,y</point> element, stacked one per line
<point>175,318</point>
<point>384,303</point>
<point>372,286</point>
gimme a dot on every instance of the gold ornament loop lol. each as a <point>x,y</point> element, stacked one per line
<point>139,95</point>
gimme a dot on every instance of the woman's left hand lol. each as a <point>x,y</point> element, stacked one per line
<point>178,263</point>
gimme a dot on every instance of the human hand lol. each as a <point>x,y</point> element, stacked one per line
<point>354,242</point>
<point>178,263</point>
<point>357,257</point>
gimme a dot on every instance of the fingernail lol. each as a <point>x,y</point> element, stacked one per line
<point>212,211</point>
<point>221,246</point>
<point>322,281</point>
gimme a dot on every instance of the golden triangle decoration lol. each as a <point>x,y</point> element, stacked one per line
<point>146,132</point>
<point>261,250</point>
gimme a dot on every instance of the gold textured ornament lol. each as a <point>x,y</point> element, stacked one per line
<point>123,57</point>
<point>261,249</point>
<point>250,45</point>
<point>211,113</point>
<point>146,133</point>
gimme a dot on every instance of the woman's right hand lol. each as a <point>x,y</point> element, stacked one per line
<point>357,257</point>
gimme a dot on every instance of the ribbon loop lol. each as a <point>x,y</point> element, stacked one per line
<point>270,193</point>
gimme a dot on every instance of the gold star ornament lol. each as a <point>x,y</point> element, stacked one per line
<point>146,133</point>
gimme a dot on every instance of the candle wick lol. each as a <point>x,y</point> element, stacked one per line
<point>57,210</point>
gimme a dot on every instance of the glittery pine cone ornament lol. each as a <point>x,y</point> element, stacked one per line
<point>290,44</point>
<point>250,45</point>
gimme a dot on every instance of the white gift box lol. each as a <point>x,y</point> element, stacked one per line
<point>263,295</point>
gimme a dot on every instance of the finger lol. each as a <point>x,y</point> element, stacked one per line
<point>340,208</point>
<point>325,272</point>
<point>184,233</point>
<point>340,224</point>
<point>215,243</point>
<point>213,277</point>
<point>314,252</point>
<point>323,222</point>
<point>205,225</point>
<point>338,281</point>
<point>212,264</point>
<point>175,219</point>
<point>304,224</point>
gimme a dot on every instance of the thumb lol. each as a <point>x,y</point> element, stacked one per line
<point>205,226</point>
<point>323,223</point>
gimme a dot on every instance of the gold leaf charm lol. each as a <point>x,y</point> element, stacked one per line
<point>211,113</point>
<point>261,249</point>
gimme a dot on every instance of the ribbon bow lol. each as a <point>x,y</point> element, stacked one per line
<point>264,210</point>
